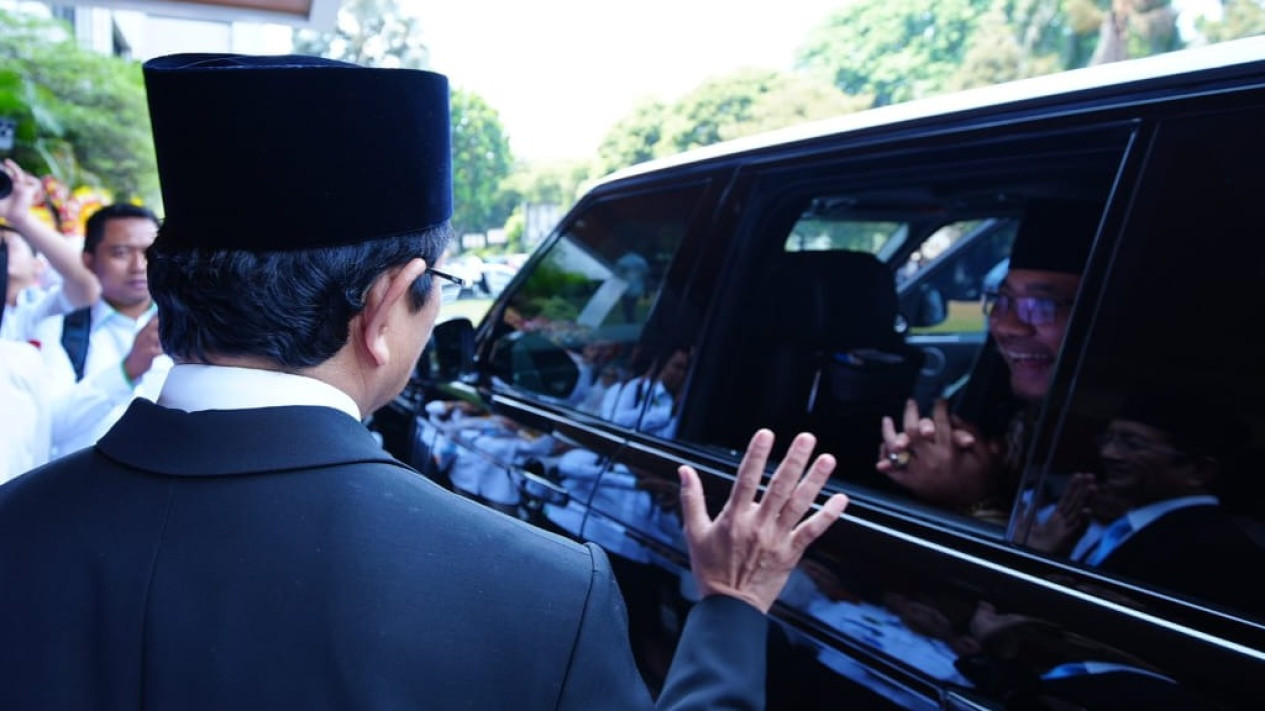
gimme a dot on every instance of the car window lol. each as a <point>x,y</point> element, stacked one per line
<point>827,225</point>
<point>833,340</point>
<point>570,331</point>
<point>1155,475</point>
<point>942,282</point>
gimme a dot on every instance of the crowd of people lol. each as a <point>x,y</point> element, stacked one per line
<point>78,332</point>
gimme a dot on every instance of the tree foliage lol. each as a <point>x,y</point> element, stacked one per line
<point>1239,18</point>
<point>373,33</point>
<point>892,51</point>
<point>723,108</point>
<point>82,116</point>
<point>551,183</point>
<point>634,138</point>
<point>481,161</point>
<point>901,51</point>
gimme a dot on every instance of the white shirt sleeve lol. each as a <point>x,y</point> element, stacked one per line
<point>25,436</point>
<point>33,307</point>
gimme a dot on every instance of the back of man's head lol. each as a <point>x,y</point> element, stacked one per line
<point>94,228</point>
<point>289,185</point>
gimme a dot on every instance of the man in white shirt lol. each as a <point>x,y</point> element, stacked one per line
<point>24,436</point>
<point>101,358</point>
<point>26,302</point>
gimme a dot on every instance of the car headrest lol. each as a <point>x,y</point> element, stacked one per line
<point>832,300</point>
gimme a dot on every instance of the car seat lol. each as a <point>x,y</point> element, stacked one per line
<point>837,361</point>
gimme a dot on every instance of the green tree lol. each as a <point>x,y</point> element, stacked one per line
<point>515,229</point>
<point>634,138</point>
<point>1133,28</point>
<point>1239,18</point>
<point>481,161</point>
<point>739,104</point>
<point>550,183</point>
<point>749,101</point>
<point>373,33</point>
<point>1015,40</point>
<point>893,51</point>
<point>900,51</point>
<point>82,116</point>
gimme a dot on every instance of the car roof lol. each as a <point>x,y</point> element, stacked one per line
<point>1102,82</point>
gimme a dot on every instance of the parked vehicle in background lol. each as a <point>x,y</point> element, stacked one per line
<point>773,282</point>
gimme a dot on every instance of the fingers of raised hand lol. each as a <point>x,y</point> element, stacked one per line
<point>911,416</point>
<point>693,509</point>
<point>963,439</point>
<point>788,476</point>
<point>751,469</point>
<point>888,428</point>
<point>816,525</point>
<point>806,490</point>
<point>927,428</point>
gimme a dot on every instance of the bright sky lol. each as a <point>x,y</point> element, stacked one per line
<point>562,72</point>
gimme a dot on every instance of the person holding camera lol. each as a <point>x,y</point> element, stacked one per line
<point>26,239</point>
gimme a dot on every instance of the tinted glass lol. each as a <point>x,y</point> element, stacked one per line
<point>569,332</point>
<point>1156,475</point>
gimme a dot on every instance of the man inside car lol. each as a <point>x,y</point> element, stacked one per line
<point>956,464</point>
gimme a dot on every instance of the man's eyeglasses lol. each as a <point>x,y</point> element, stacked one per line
<point>1032,310</point>
<point>459,281</point>
<point>1134,444</point>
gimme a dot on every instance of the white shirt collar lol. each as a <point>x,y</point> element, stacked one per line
<point>1138,518</point>
<point>102,312</point>
<point>194,387</point>
<point>1143,516</point>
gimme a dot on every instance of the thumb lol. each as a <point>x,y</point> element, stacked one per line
<point>963,439</point>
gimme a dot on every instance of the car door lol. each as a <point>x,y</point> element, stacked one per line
<point>805,332</point>
<point>1157,427</point>
<point>529,429</point>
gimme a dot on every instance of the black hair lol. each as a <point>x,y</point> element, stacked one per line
<point>94,229</point>
<point>292,308</point>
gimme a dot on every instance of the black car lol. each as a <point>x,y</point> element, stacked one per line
<point>816,279</point>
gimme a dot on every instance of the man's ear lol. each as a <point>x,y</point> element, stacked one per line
<point>387,297</point>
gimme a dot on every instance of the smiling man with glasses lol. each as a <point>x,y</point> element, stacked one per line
<point>954,464</point>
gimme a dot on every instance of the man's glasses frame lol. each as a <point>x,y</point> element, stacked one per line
<point>459,281</point>
<point>1032,310</point>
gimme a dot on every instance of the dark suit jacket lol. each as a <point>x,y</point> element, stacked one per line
<point>1195,551</point>
<point>278,559</point>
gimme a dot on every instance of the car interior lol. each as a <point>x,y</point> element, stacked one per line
<point>829,343</point>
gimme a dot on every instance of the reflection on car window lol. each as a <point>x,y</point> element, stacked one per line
<point>569,333</point>
<point>874,324</point>
<point>942,285</point>
<point>1155,477</point>
<point>823,227</point>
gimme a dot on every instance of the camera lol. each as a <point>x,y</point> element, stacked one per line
<point>6,185</point>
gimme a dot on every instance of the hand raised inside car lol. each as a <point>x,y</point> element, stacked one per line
<point>1067,521</point>
<point>941,459</point>
<point>750,549</point>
